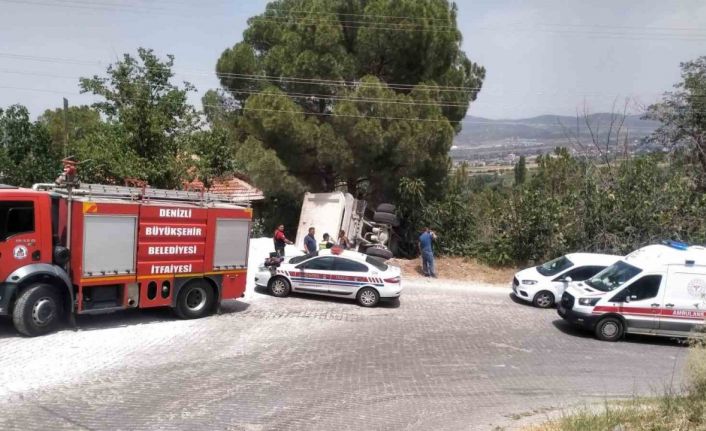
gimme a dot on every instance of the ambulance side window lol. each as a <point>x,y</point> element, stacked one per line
<point>16,217</point>
<point>646,287</point>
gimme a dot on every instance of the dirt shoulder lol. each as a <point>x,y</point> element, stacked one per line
<point>458,268</point>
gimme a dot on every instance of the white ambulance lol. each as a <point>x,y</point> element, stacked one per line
<point>656,290</point>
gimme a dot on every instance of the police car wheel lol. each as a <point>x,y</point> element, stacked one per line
<point>609,329</point>
<point>38,310</point>
<point>368,297</point>
<point>195,300</point>
<point>280,287</point>
<point>543,299</point>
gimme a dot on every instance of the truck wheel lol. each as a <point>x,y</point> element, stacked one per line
<point>543,299</point>
<point>368,297</point>
<point>379,252</point>
<point>280,287</point>
<point>195,300</point>
<point>386,218</point>
<point>38,310</point>
<point>386,208</point>
<point>609,329</point>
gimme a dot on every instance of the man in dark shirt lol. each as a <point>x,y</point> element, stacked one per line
<point>427,251</point>
<point>310,241</point>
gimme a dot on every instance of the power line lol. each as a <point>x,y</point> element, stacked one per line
<point>317,81</point>
<point>346,97</point>
<point>365,15</point>
<point>351,99</point>
<point>72,4</point>
<point>401,27</point>
<point>410,26</point>
<point>297,14</point>
<point>466,120</point>
<point>48,59</point>
<point>341,83</point>
<point>343,98</point>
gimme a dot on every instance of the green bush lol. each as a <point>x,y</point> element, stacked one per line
<point>565,205</point>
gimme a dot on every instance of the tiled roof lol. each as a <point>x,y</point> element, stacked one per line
<point>235,188</point>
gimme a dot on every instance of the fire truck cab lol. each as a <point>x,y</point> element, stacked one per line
<point>99,249</point>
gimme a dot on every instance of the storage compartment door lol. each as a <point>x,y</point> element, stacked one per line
<point>231,244</point>
<point>109,245</point>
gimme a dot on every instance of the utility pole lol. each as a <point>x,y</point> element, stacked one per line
<point>66,127</point>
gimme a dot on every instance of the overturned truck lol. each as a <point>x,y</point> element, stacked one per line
<point>370,232</point>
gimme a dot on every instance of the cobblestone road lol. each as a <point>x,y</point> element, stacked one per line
<point>443,358</point>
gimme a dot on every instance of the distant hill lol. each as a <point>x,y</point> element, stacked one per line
<point>479,131</point>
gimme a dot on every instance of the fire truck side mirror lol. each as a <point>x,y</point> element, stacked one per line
<point>61,255</point>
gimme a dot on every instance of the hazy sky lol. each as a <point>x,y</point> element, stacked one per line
<point>542,56</point>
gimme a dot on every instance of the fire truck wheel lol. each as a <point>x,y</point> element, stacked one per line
<point>195,300</point>
<point>368,297</point>
<point>609,329</point>
<point>280,287</point>
<point>38,310</point>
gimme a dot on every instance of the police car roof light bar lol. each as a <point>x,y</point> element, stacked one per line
<point>676,244</point>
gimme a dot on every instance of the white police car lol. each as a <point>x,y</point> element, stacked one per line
<point>333,272</point>
<point>543,285</point>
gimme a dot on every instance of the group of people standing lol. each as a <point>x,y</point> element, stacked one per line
<point>426,240</point>
<point>310,243</point>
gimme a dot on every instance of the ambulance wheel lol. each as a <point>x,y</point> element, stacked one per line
<point>368,297</point>
<point>195,300</point>
<point>279,287</point>
<point>609,329</point>
<point>543,299</point>
<point>38,310</point>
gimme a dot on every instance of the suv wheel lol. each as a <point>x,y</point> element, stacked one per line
<point>543,299</point>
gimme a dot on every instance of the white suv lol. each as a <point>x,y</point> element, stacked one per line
<point>543,285</point>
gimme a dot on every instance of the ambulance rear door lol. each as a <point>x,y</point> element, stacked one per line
<point>684,307</point>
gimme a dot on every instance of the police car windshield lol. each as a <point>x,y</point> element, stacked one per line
<point>553,267</point>
<point>613,277</point>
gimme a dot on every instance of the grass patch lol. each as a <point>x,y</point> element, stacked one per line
<point>670,412</point>
<point>458,268</point>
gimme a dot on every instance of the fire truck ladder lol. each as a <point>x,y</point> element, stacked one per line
<point>138,193</point>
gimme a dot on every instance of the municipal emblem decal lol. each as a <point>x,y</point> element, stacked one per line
<point>20,252</point>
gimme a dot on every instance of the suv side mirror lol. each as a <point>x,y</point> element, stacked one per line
<point>567,279</point>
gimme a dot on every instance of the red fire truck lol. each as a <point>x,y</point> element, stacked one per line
<point>68,249</point>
